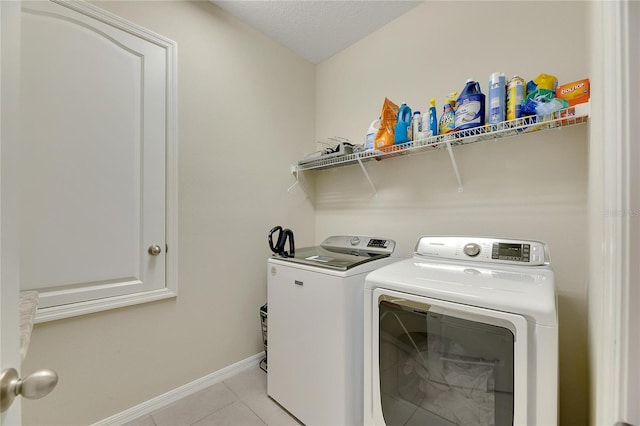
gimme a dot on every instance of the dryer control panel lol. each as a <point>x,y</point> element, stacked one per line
<point>483,249</point>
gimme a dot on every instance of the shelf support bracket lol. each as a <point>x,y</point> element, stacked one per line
<point>295,170</point>
<point>455,166</point>
<point>367,176</point>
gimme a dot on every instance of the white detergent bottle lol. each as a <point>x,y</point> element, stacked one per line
<point>424,126</point>
<point>416,125</point>
<point>371,134</point>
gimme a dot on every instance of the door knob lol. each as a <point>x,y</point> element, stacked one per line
<point>154,250</point>
<point>36,385</point>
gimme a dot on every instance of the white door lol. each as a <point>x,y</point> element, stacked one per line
<point>39,383</point>
<point>9,281</point>
<point>95,130</point>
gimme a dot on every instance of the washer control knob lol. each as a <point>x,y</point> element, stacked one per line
<point>472,249</point>
<point>354,241</point>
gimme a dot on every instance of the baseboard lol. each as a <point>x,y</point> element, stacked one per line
<point>174,395</point>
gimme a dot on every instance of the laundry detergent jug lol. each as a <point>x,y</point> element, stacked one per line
<point>470,111</point>
<point>403,125</point>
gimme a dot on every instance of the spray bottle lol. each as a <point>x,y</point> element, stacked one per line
<point>448,117</point>
<point>433,120</point>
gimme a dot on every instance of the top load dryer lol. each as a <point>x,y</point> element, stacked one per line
<point>464,333</point>
<point>316,326</point>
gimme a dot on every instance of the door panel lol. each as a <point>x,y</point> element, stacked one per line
<point>304,344</point>
<point>94,109</point>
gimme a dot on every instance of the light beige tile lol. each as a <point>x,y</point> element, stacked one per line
<point>269,411</point>
<point>396,411</point>
<point>424,417</point>
<point>248,383</point>
<point>236,414</point>
<point>142,421</point>
<point>195,407</point>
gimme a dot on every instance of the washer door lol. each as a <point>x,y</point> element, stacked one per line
<point>442,363</point>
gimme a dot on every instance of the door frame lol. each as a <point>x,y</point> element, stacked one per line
<point>614,210</point>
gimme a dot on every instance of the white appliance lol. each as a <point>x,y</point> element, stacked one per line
<point>464,333</point>
<point>315,327</point>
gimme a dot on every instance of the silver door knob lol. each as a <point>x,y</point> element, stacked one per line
<point>155,250</point>
<point>36,385</point>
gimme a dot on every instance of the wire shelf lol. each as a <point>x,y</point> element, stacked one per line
<point>566,117</point>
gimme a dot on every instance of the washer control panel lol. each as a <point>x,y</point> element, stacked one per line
<point>360,243</point>
<point>483,249</point>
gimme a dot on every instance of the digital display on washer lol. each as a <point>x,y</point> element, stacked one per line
<point>378,243</point>
<point>510,251</point>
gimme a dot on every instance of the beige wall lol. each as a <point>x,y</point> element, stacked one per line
<point>534,186</point>
<point>246,111</point>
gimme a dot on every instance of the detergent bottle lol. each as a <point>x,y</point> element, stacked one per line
<point>470,110</point>
<point>433,120</point>
<point>403,125</point>
<point>448,117</point>
<point>371,134</point>
<point>416,125</point>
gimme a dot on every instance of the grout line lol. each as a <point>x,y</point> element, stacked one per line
<point>256,414</point>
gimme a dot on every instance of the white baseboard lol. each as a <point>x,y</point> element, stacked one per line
<point>174,395</point>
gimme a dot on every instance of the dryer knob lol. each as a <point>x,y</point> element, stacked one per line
<point>472,249</point>
<point>354,241</point>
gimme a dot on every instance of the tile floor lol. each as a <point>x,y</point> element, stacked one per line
<point>238,401</point>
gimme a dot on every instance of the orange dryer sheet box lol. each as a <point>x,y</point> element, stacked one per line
<point>577,92</point>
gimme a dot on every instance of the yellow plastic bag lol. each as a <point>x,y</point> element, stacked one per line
<point>543,81</point>
<point>388,119</point>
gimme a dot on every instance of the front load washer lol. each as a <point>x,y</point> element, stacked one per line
<point>315,327</point>
<point>464,333</point>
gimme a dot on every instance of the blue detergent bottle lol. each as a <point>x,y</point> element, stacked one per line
<point>403,125</point>
<point>470,111</point>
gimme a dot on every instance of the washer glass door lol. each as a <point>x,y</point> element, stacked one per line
<point>446,364</point>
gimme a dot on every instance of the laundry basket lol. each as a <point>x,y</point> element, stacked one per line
<point>263,324</point>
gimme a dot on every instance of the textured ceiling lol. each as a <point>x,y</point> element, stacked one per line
<point>316,30</point>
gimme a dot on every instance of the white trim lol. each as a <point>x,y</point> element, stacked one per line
<point>613,297</point>
<point>621,124</point>
<point>629,386</point>
<point>91,306</point>
<point>116,21</point>
<point>176,394</point>
<point>614,237</point>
